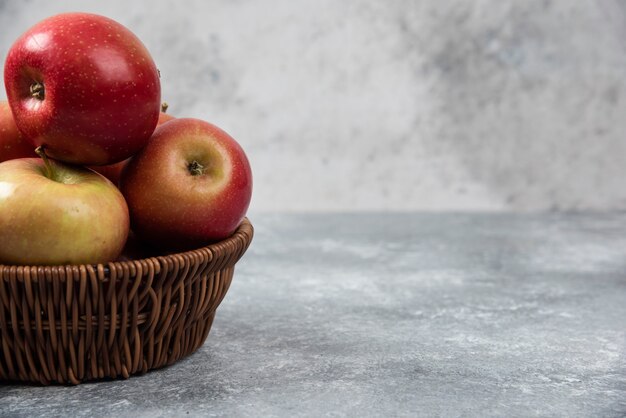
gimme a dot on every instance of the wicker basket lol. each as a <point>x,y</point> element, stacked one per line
<point>70,324</point>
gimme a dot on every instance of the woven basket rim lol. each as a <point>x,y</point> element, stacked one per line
<point>243,232</point>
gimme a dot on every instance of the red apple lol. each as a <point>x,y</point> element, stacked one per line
<point>164,117</point>
<point>51,213</point>
<point>12,143</point>
<point>83,86</point>
<point>111,171</point>
<point>114,171</point>
<point>189,186</point>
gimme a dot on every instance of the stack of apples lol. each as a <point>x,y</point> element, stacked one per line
<point>87,154</point>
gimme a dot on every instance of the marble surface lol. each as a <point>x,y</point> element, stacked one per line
<point>482,104</point>
<point>397,315</point>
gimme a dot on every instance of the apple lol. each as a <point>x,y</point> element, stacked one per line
<point>189,186</point>
<point>111,171</point>
<point>12,143</point>
<point>83,86</point>
<point>164,116</point>
<point>53,214</point>
<point>114,171</point>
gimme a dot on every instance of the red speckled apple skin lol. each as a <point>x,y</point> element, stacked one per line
<point>101,91</point>
<point>172,208</point>
<point>12,143</point>
<point>114,171</point>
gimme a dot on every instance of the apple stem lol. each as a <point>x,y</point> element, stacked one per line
<point>164,107</point>
<point>37,90</point>
<point>195,168</point>
<point>42,153</point>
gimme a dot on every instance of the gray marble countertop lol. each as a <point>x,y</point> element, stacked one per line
<point>397,315</point>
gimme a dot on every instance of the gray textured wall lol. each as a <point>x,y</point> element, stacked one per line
<point>402,105</point>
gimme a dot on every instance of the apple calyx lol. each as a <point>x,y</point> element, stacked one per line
<point>37,90</point>
<point>42,154</point>
<point>164,107</point>
<point>195,168</point>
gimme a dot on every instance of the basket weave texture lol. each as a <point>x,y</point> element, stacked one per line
<point>70,324</point>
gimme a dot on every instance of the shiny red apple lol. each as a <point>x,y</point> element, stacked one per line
<point>52,213</point>
<point>189,186</point>
<point>85,87</point>
<point>114,171</point>
<point>12,142</point>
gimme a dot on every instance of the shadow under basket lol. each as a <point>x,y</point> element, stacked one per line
<point>70,324</point>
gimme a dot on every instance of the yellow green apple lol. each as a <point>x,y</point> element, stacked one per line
<point>54,214</point>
